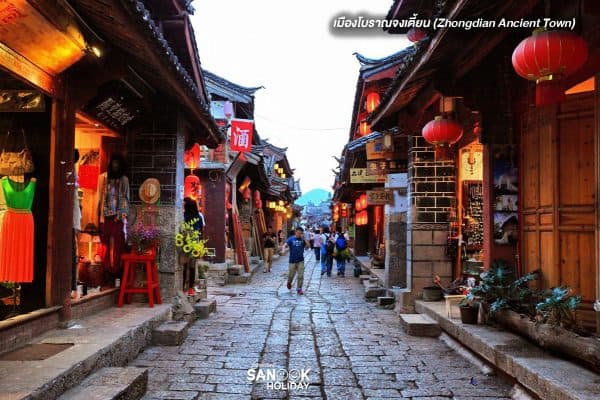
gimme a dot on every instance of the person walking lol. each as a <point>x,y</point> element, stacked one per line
<point>317,244</point>
<point>341,253</point>
<point>269,239</point>
<point>327,249</point>
<point>297,245</point>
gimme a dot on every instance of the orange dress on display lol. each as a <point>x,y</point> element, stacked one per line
<point>16,232</point>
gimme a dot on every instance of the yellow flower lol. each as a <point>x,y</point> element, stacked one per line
<point>179,236</point>
<point>187,248</point>
<point>195,253</point>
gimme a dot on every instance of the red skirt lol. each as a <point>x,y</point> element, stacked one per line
<point>16,247</point>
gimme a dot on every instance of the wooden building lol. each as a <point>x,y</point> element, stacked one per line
<point>539,183</point>
<point>112,77</point>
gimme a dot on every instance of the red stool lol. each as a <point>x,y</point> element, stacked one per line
<point>152,286</point>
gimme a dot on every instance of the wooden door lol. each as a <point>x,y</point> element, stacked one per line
<point>576,214</point>
<point>559,197</point>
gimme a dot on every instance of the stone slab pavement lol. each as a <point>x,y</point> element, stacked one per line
<point>353,349</point>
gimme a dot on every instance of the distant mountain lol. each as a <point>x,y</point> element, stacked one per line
<point>314,196</point>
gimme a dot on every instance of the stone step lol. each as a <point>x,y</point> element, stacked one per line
<point>364,277</point>
<point>110,383</point>
<point>170,333</point>
<point>235,270</point>
<point>419,325</point>
<point>204,308</point>
<point>244,277</point>
<point>373,292</point>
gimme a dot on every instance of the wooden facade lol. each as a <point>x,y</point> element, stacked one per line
<point>559,200</point>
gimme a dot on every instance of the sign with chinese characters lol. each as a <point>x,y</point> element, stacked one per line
<point>241,135</point>
<point>383,167</point>
<point>359,175</point>
<point>116,106</point>
<point>377,151</point>
<point>379,197</point>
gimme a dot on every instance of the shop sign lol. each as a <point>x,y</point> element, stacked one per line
<point>377,151</point>
<point>21,101</point>
<point>379,197</point>
<point>241,135</point>
<point>359,175</point>
<point>115,106</point>
<point>383,167</point>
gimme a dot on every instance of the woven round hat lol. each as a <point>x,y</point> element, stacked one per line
<point>150,191</point>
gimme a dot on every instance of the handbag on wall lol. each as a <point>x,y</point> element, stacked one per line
<point>16,162</point>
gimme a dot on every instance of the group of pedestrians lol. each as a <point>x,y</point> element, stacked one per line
<point>326,245</point>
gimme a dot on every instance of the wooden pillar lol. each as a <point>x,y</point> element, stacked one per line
<point>60,214</point>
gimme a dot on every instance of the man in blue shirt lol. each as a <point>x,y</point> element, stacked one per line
<point>296,244</point>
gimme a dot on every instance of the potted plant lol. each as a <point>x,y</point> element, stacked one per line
<point>191,247</point>
<point>469,309</point>
<point>143,238</point>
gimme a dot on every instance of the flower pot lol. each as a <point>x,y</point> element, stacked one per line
<point>469,314</point>
<point>432,293</point>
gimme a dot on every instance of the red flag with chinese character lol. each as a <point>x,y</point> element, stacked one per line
<point>241,135</point>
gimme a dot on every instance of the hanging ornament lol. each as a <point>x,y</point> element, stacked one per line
<point>441,133</point>
<point>372,101</point>
<point>547,57</point>
<point>191,157</point>
<point>416,34</point>
<point>191,186</point>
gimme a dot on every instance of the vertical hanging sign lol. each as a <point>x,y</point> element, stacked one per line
<point>241,135</point>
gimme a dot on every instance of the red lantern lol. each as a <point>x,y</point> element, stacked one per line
<point>191,157</point>
<point>357,204</point>
<point>191,186</point>
<point>364,128</point>
<point>363,201</point>
<point>549,56</point>
<point>257,199</point>
<point>441,133</point>
<point>416,34</point>
<point>372,101</point>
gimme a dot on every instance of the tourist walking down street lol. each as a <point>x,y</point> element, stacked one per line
<point>327,249</point>
<point>341,253</point>
<point>317,244</point>
<point>297,245</point>
<point>269,239</point>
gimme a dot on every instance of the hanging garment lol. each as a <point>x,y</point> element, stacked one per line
<point>16,232</point>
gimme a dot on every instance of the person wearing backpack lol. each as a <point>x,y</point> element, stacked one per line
<point>341,253</point>
<point>327,250</point>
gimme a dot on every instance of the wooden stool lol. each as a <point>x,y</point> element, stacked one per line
<point>152,287</point>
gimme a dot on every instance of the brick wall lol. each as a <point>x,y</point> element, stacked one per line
<point>431,184</point>
<point>431,193</point>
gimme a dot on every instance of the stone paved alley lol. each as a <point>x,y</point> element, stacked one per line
<point>353,349</point>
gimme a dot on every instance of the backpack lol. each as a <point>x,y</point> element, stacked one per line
<point>340,243</point>
<point>329,246</point>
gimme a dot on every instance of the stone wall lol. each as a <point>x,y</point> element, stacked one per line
<point>157,152</point>
<point>431,193</point>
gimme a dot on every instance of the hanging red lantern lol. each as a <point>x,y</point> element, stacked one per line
<point>363,201</point>
<point>546,57</point>
<point>441,133</point>
<point>191,157</point>
<point>357,204</point>
<point>416,34</point>
<point>257,199</point>
<point>372,101</point>
<point>364,128</point>
<point>191,186</point>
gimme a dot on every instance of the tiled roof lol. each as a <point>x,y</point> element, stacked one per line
<point>220,86</point>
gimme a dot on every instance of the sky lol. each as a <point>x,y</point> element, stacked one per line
<point>309,73</point>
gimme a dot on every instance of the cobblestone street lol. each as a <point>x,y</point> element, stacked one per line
<point>353,349</point>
